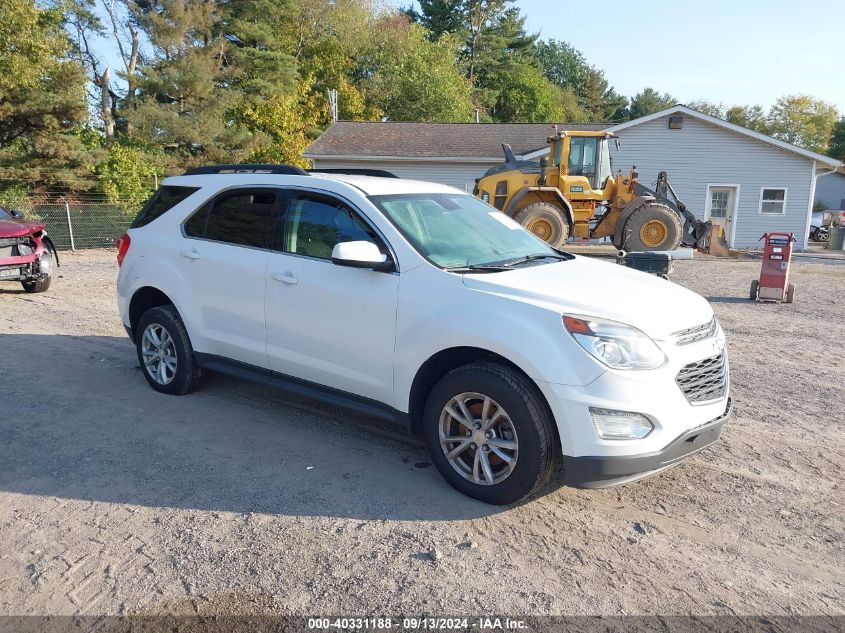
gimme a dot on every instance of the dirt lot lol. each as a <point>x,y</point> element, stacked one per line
<point>115,499</point>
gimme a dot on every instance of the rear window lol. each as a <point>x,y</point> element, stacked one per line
<point>162,201</point>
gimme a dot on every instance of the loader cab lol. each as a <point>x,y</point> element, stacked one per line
<point>583,155</point>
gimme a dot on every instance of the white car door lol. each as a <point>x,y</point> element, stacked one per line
<point>225,254</point>
<point>330,324</point>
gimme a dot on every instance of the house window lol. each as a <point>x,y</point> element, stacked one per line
<point>676,122</point>
<point>773,200</point>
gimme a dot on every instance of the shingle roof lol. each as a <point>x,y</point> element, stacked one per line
<point>459,140</point>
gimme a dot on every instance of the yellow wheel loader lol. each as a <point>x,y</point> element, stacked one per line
<point>573,193</point>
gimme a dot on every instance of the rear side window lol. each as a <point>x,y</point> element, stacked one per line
<point>243,217</point>
<point>162,201</point>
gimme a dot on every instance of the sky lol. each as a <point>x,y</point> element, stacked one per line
<point>737,52</point>
<point>729,51</point>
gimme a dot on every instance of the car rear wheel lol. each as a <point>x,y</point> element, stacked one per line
<point>489,433</point>
<point>165,352</point>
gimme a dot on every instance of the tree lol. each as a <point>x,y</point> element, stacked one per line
<point>529,97</point>
<point>287,123</point>
<point>752,117</point>
<point>415,79</point>
<point>188,88</point>
<point>601,102</point>
<point>250,50</point>
<point>337,45</point>
<point>440,17</point>
<point>803,121</point>
<point>494,44</point>
<point>42,99</point>
<point>501,52</point>
<point>563,65</point>
<point>708,107</point>
<point>649,101</point>
<point>836,148</point>
<point>129,172</point>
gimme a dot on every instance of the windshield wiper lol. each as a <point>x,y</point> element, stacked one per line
<point>479,268</point>
<point>532,258</point>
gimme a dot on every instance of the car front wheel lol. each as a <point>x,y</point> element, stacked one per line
<point>165,352</point>
<point>489,433</point>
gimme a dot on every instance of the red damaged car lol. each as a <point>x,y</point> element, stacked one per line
<point>26,253</point>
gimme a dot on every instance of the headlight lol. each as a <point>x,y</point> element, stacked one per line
<point>615,344</point>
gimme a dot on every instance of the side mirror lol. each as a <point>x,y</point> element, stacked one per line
<point>361,254</point>
<point>18,215</point>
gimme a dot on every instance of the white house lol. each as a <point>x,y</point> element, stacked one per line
<point>830,190</point>
<point>747,181</point>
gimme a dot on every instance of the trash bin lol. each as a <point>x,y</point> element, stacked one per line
<point>836,241</point>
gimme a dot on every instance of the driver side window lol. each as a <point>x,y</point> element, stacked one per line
<point>314,223</point>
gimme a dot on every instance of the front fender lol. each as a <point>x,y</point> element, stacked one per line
<point>437,312</point>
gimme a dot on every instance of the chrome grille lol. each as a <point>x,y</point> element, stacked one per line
<point>694,334</point>
<point>705,380</point>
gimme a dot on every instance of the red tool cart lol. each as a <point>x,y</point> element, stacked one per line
<point>774,273</point>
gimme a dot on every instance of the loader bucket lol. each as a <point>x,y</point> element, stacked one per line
<point>713,242</point>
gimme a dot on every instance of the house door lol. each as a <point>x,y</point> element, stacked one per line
<point>721,207</point>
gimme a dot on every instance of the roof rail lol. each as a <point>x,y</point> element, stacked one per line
<point>353,171</point>
<point>247,168</point>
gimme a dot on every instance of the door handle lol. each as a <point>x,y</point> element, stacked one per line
<point>285,278</point>
<point>190,254</point>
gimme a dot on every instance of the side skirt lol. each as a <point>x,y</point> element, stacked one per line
<point>303,388</point>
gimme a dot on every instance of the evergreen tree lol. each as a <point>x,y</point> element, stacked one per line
<point>207,59</point>
<point>649,101</point>
<point>42,100</point>
<point>441,17</point>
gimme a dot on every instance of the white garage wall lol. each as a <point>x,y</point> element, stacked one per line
<point>700,154</point>
<point>460,175</point>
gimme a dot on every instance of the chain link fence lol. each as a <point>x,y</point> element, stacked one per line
<point>75,224</point>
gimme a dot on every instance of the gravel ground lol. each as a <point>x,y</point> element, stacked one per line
<point>117,500</point>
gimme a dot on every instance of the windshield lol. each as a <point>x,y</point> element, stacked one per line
<point>456,231</point>
<point>4,215</point>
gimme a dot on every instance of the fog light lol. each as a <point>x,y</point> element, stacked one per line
<point>620,425</point>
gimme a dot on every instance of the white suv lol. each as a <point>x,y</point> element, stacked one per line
<point>416,302</point>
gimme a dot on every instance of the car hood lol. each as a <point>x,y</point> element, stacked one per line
<point>19,228</point>
<point>602,289</point>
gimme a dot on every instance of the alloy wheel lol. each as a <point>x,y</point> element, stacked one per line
<point>478,438</point>
<point>159,354</point>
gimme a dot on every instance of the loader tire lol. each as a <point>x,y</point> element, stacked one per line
<point>546,221</point>
<point>652,227</point>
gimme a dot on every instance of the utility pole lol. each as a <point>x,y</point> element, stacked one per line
<point>333,104</point>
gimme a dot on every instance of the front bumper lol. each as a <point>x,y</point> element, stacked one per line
<point>590,471</point>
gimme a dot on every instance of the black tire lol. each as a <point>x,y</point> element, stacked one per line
<point>538,448</point>
<point>187,374</point>
<point>546,221</point>
<point>790,293</point>
<point>652,219</point>
<point>755,287</point>
<point>37,286</point>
